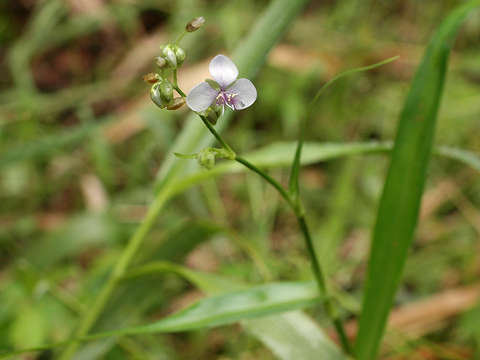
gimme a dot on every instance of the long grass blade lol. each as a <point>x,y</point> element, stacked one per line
<point>400,201</point>
<point>229,308</point>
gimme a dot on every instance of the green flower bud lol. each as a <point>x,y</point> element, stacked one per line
<point>166,91</point>
<point>161,93</point>
<point>176,103</point>
<point>195,24</point>
<point>156,97</point>
<point>168,53</point>
<point>180,55</point>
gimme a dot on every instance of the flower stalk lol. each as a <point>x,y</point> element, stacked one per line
<point>297,207</point>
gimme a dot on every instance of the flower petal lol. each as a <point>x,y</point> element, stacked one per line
<point>223,70</point>
<point>244,93</point>
<point>201,97</point>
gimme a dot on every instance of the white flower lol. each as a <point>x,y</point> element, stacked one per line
<point>226,90</point>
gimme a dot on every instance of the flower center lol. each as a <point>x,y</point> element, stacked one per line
<point>224,98</point>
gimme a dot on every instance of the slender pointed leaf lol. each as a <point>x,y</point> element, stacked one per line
<point>235,306</point>
<point>400,201</point>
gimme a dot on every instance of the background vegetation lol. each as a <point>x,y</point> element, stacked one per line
<point>81,145</point>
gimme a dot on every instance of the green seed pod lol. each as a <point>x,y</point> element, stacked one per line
<point>168,53</point>
<point>180,55</point>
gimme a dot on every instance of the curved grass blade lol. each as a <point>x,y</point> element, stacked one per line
<point>292,335</point>
<point>295,170</point>
<point>400,201</point>
<point>207,282</point>
<point>232,307</point>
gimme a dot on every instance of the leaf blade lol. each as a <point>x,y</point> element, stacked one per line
<point>400,201</point>
<point>232,307</point>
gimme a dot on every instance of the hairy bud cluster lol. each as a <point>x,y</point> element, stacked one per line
<point>172,56</point>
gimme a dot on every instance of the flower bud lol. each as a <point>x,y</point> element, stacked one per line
<point>161,93</point>
<point>195,24</point>
<point>161,62</point>
<point>176,103</point>
<point>156,97</point>
<point>166,90</point>
<point>151,78</point>
<point>169,55</point>
<point>180,55</point>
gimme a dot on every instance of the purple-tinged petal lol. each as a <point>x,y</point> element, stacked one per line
<point>243,94</point>
<point>223,70</point>
<point>201,97</point>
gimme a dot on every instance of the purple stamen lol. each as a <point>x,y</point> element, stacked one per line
<point>224,98</point>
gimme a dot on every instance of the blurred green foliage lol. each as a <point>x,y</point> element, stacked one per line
<point>80,145</point>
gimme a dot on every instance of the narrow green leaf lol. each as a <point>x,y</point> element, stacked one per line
<point>292,335</point>
<point>231,307</point>
<point>277,155</point>
<point>295,169</point>
<point>399,205</point>
<point>207,282</point>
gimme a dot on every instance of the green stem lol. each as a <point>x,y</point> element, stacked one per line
<point>217,136</point>
<point>180,37</point>
<point>116,275</point>
<point>295,204</point>
<point>322,285</point>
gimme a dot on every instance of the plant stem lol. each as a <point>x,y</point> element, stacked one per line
<point>180,37</point>
<point>116,275</point>
<point>296,205</point>
<point>322,285</point>
<point>217,136</point>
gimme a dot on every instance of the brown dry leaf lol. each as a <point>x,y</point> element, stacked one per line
<point>423,316</point>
